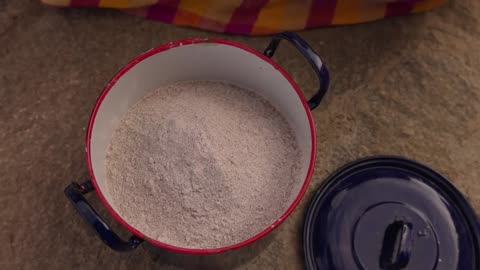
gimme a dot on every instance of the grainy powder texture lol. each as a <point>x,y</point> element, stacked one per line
<point>202,164</point>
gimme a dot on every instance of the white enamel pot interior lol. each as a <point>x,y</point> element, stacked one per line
<point>198,59</point>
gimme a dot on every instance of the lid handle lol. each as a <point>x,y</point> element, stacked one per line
<point>397,245</point>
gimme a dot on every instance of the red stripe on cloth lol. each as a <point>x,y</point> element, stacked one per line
<point>244,17</point>
<point>84,3</point>
<point>399,8</point>
<point>321,13</point>
<point>164,11</point>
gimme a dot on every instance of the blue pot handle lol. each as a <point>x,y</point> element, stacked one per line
<point>314,60</point>
<point>74,193</point>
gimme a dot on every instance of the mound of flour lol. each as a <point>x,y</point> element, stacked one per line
<point>202,164</point>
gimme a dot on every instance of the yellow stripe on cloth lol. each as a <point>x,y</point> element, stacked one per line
<point>348,11</point>
<point>426,5</point>
<point>282,15</point>
<point>270,17</point>
<point>221,10</point>
<point>196,7</point>
<point>297,15</point>
<point>190,11</point>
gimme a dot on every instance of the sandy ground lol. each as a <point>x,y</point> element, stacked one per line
<point>406,86</point>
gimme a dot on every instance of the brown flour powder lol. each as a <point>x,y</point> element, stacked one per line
<point>202,164</point>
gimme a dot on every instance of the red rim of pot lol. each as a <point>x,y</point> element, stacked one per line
<point>187,42</point>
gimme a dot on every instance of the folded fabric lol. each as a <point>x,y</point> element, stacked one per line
<point>259,17</point>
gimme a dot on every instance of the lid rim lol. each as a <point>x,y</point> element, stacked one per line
<point>440,181</point>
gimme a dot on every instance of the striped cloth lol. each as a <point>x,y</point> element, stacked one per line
<point>260,17</point>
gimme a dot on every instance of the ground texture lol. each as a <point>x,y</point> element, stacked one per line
<point>407,86</point>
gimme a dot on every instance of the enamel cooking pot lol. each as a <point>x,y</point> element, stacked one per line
<point>196,59</point>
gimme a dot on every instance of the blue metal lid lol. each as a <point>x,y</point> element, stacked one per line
<point>390,213</point>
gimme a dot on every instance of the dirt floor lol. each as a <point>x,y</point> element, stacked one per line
<point>407,86</point>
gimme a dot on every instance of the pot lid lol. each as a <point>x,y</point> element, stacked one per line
<point>390,213</point>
